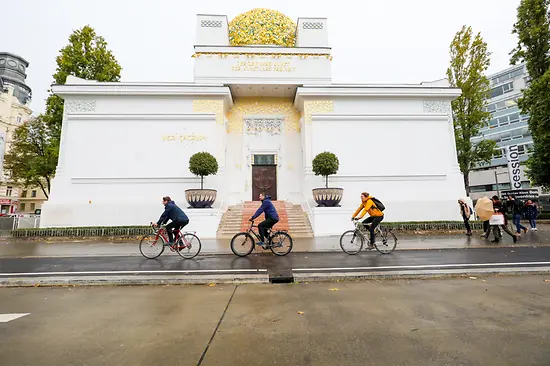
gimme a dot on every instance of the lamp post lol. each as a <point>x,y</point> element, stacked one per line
<point>496,180</point>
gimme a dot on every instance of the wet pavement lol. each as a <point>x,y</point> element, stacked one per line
<point>294,264</point>
<point>49,248</point>
<point>490,321</point>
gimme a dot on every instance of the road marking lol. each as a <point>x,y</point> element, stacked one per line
<point>511,264</point>
<point>132,272</point>
<point>4,318</point>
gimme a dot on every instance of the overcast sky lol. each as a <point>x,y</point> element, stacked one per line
<point>374,41</point>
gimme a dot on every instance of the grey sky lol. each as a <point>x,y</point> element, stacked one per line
<point>375,41</point>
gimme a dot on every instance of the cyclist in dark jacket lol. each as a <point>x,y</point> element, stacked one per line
<point>174,213</point>
<point>271,216</point>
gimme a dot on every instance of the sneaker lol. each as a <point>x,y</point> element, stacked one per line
<point>495,241</point>
<point>261,243</point>
<point>515,239</point>
<point>525,230</point>
<point>484,236</point>
<point>535,229</point>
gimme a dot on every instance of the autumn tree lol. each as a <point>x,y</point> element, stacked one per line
<point>533,48</point>
<point>469,62</point>
<point>32,157</point>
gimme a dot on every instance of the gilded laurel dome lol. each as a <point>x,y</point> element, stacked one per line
<point>262,27</point>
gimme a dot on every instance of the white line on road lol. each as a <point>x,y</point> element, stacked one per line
<point>4,318</point>
<point>131,272</point>
<point>512,264</point>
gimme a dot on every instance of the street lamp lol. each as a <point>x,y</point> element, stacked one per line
<point>496,180</point>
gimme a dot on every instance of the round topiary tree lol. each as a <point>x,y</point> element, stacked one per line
<point>325,164</point>
<point>203,164</point>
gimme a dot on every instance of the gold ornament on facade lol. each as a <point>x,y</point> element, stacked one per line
<point>316,106</point>
<point>262,55</point>
<point>262,27</point>
<point>247,107</point>
<point>210,106</point>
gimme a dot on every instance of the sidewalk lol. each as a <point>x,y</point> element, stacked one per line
<point>86,248</point>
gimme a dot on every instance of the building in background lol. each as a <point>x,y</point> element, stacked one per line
<point>507,127</point>
<point>15,97</point>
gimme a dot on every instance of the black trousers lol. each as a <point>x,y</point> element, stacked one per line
<point>467,224</point>
<point>264,225</point>
<point>178,224</point>
<point>374,221</point>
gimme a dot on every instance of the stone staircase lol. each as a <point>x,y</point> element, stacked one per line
<point>291,218</point>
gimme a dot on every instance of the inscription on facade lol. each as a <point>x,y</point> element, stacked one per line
<point>184,138</point>
<point>259,66</point>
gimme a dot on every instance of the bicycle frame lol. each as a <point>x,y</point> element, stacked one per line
<point>178,234</point>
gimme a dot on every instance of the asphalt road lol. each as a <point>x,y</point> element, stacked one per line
<point>279,266</point>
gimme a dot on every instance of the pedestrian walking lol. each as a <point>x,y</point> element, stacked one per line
<point>516,207</point>
<point>531,213</point>
<point>466,213</point>
<point>501,209</point>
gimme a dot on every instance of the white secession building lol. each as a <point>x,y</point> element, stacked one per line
<point>262,89</point>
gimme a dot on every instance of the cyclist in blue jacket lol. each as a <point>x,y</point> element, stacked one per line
<point>174,213</point>
<point>271,216</point>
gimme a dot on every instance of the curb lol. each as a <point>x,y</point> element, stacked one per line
<point>418,274</point>
<point>39,281</point>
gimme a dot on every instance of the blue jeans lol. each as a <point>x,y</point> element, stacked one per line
<point>533,223</point>
<point>517,222</point>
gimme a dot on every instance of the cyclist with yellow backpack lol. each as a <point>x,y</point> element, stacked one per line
<point>374,208</point>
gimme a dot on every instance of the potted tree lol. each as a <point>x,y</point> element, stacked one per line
<point>325,164</point>
<point>202,164</point>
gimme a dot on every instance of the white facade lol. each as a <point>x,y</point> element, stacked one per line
<point>125,145</point>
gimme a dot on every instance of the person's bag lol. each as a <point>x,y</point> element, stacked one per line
<point>379,205</point>
<point>497,220</point>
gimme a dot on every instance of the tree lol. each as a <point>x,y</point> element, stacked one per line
<point>325,164</point>
<point>32,158</point>
<point>87,57</point>
<point>533,48</point>
<point>469,62</point>
<point>203,164</point>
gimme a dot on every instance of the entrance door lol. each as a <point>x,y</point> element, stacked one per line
<point>264,179</point>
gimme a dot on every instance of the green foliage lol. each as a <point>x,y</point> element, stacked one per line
<point>32,158</point>
<point>325,164</point>
<point>533,48</point>
<point>87,57</point>
<point>469,62</point>
<point>203,164</point>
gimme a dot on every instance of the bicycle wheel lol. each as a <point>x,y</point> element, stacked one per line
<point>189,246</point>
<point>280,243</point>
<point>151,247</point>
<point>389,242</point>
<point>242,244</point>
<point>351,242</point>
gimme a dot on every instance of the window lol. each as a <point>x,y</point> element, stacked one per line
<point>264,159</point>
<point>499,90</point>
<point>33,205</point>
<point>33,193</point>
<point>24,194</point>
<point>22,207</point>
<point>9,191</point>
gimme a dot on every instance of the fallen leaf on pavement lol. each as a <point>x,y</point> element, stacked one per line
<point>300,313</point>
<point>546,280</point>
<point>473,278</point>
<point>333,289</point>
<point>211,285</point>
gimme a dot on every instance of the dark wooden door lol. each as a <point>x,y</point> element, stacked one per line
<point>264,179</point>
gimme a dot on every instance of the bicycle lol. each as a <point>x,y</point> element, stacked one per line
<point>275,241</point>
<point>352,241</point>
<point>152,245</point>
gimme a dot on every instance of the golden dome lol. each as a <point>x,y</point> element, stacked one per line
<point>263,27</point>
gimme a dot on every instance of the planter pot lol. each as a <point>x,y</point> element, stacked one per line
<point>201,198</point>
<point>328,197</point>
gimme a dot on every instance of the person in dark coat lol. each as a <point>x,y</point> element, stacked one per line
<point>500,208</point>
<point>516,207</point>
<point>174,213</point>
<point>271,217</point>
<point>531,213</point>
